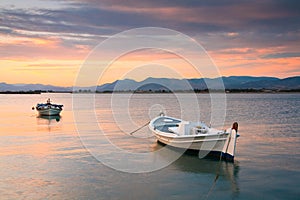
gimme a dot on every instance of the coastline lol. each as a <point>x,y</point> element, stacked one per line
<point>227,91</point>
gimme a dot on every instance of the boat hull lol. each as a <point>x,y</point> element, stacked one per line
<point>199,143</point>
<point>49,112</point>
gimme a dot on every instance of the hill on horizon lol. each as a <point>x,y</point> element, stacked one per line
<point>170,84</point>
<point>231,82</point>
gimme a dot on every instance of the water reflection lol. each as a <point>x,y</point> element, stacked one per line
<point>48,122</point>
<point>209,170</point>
<point>221,170</point>
<point>50,118</point>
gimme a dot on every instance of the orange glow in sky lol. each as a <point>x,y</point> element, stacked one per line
<point>47,42</point>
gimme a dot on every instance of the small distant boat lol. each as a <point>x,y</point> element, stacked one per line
<point>195,136</point>
<point>48,109</point>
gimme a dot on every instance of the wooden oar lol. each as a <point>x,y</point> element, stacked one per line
<point>139,128</point>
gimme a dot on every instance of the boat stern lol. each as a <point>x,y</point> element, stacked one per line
<point>230,144</point>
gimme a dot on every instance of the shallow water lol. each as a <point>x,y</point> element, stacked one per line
<point>66,158</point>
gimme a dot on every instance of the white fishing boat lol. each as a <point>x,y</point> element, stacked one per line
<point>48,109</point>
<point>195,136</point>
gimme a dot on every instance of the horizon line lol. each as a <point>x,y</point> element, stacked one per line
<point>46,84</point>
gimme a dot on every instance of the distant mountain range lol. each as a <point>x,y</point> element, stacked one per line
<point>31,87</point>
<point>167,84</point>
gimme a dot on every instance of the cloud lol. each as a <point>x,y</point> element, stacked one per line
<point>50,69</point>
<point>236,14</point>
<point>88,21</point>
<point>282,55</point>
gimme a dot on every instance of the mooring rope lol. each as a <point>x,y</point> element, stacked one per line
<point>218,169</point>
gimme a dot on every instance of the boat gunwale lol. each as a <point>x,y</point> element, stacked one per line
<point>173,140</point>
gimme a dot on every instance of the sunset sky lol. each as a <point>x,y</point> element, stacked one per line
<point>47,41</point>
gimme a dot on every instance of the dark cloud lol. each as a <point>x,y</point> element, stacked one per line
<point>282,55</point>
<point>161,3</point>
<point>266,23</point>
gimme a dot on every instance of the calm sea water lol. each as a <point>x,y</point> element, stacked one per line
<point>45,158</point>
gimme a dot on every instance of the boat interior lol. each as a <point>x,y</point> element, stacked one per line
<point>178,127</point>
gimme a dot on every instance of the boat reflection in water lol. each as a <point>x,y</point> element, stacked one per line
<point>222,171</point>
<point>48,122</point>
<point>209,173</point>
<point>50,118</point>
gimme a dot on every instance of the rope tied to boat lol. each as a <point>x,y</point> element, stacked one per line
<point>234,127</point>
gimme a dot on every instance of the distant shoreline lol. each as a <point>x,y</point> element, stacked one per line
<point>33,92</point>
<point>228,91</point>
